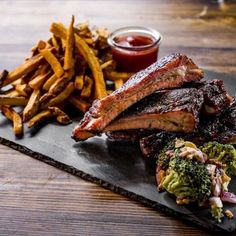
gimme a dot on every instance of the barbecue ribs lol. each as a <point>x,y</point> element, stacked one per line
<point>170,72</point>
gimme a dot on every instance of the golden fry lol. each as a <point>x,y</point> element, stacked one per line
<point>53,61</point>
<point>89,41</point>
<point>7,112</point>
<point>61,83</point>
<point>69,50</point>
<point>114,75</point>
<point>12,93</point>
<point>12,115</point>
<point>23,89</point>
<point>17,124</point>
<point>32,106</point>
<point>106,64</point>
<point>55,43</point>
<point>100,88</point>
<point>13,101</point>
<point>41,44</point>
<point>61,97</point>
<point>79,82</point>
<point>41,116</point>
<point>22,70</point>
<point>61,116</point>
<point>79,103</point>
<point>63,120</point>
<point>49,82</point>
<point>39,81</point>
<point>87,89</point>
<point>118,83</point>
<point>17,82</point>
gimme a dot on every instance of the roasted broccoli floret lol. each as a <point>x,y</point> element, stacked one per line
<point>188,178</point>
<point>224,153</point>
<point>162,158</point>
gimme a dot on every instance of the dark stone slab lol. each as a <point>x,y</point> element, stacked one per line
<point>119,167</point>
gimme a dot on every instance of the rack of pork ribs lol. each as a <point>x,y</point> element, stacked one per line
<point>164,101</point>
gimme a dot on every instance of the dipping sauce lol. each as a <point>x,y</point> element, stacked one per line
<point>134,48</point>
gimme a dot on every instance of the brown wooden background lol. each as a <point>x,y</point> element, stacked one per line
<point>37,199</point>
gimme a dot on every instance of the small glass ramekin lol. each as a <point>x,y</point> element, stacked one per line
<point>135,56</point>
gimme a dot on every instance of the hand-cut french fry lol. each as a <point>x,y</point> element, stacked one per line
<point>13,101</point>
<point>42,45</point>
<point>61,116</point>
<point>12,93</point>
<point>79,82</point>
<point>63,119</point>
<point>69,50</point>
<point>61,83</point>
<point>45,98</point>
<point>41,69</point>
<point>39,81</point>
<point>12,115</point>
<point>106,64</point>
<point>17,82</point>
<point>41,116</point>
<point>79,103</point>
<point>118,83</point>
<point>27,67</point>
<point>114,75</point>
<point>57,86</point>
<point>100,87</point>
<point>49,82</point>
<point>53,61</point>
<point>3,76</point>
<point>7,112</point>
<point>23,89</point>
<point>60,97</point>
<point>89,41</point>
<point>17,124</point>
<point>87,89</point>
<point>55,42</point>
<point>32,106</point>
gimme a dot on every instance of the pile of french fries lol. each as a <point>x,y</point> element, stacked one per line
<point>73,67</point>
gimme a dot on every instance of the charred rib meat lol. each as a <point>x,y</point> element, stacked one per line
<point>216,98</point>
<point>170,72</point>
<point>170,110</point>
<point>221,128</point>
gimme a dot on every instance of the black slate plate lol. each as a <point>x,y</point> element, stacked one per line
<point>119,167</point>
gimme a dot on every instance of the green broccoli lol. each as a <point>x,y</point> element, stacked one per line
<point>188,178</point>
<point>162,158</point>
<point>224,153</point>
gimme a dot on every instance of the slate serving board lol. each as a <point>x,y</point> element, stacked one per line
<point>119,167</point>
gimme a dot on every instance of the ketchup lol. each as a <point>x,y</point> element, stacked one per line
<point>134,52</point>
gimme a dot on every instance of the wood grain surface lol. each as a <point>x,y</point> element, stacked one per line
<point>37,199</point>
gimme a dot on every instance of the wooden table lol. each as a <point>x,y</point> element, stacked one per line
<point>37,199</point>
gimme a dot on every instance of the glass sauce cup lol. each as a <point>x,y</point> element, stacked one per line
<point>134,48</point>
